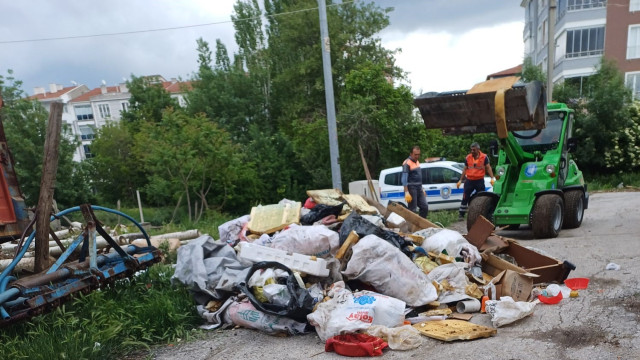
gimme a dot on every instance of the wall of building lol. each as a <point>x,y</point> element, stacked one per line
<point>619,18</point>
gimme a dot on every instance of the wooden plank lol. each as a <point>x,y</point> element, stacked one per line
<point>372,188</point>
<point>414,219</point>
<point>47,184</point>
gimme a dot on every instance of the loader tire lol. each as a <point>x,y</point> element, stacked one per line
<point>573,209</point>
<point>546,217</point>
<point>480,205</point>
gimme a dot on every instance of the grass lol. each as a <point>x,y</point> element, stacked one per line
<point>611,182</point>
<point>444,217</point>
<point>107,324</point>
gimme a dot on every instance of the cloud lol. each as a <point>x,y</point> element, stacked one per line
<point>460,40</point>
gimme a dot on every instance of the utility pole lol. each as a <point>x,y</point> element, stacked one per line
<point>328,91</point>
<point>551,47</point>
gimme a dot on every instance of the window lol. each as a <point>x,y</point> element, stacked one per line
<point>634,5</point>
<point>87,152</point>
<point>393,179</point>
<point>86,132</point>
<point>545,37</point>
<point>440,175</point>
<point>633,42</point>
<point>105,112</point>
<point>585,42</point>
<point>585,4</point>
<point>83,112</point>
<point>125,106</point>
<point>633,82</point>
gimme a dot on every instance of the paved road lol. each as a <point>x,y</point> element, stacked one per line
<point>602,323</point>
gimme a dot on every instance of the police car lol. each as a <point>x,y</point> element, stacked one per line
<point>439,180</point>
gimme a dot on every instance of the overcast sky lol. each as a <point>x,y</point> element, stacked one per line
<point>446,44</point>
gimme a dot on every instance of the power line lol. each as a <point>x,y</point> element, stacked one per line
<point>167,28</point>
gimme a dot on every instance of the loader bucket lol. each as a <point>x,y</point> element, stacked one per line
<point>469,112</point>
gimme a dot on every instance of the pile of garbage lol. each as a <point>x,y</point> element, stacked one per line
<point>362,276</point>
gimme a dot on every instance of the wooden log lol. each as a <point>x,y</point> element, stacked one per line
<point>47,184</point>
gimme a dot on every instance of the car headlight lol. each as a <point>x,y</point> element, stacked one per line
<point>501,170</point>
<point>550,168</point>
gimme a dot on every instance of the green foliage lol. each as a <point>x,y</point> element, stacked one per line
<point>612,182</point>
<point>532,72</point>
<point>147,102</point>
<point>107,324</point>
<point>25,125</point>
<point>118,172</point>
<point>605,122</point>
<point>190,156</point>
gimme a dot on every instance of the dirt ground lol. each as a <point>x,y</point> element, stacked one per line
<point>602,323</point>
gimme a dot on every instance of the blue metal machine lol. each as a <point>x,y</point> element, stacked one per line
<point>74,272</point>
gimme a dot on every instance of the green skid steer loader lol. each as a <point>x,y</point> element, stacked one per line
<point>538,182</point>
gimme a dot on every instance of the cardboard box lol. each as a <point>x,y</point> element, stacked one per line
<point>509,279</point>
<point>546,268</point>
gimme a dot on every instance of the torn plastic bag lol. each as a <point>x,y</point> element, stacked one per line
<point>363,228</point>
<point>243,313</point>
<point>320,211</point>
<point>377,262</point>
<point>506,310</point>
<point>209,268</point>
<point>232,231</point>
<point>454,274</point>
<point>299,305</point>
<point>315,240</point>
<point>455,245</point>
<point>348,312</point>
<point>404,337</point>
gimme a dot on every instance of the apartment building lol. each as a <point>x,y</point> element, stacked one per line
<point>584,31</point>
<point>86,110</point>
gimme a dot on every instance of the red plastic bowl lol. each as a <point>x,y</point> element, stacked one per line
<point>550,300</point>
<point>577,283</point>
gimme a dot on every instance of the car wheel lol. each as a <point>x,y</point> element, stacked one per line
<point>480,205</point>
<point>546,217</point>
<point>573,209</point>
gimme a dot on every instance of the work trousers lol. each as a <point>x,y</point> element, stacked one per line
<point>418,200</point>
<point>470,187</point>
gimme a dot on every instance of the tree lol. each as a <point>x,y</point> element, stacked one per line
<point>189,156</point>
<point>532,72</point>
<point>147,102</point>
<point>605,120</point>
<point>25,124</point>
<point>117,171</point>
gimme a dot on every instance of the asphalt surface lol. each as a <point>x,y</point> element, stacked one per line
<point>602,323</point>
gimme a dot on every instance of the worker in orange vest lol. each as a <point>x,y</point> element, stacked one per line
<point>412,181</point>
<point>476,164</point>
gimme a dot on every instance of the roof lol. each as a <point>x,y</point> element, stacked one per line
<point>54,95</point>
<point>176,87</point>
<point>508,72</point>
<point>97,91</point>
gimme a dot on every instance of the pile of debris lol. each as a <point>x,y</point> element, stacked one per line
<point>362,276</point>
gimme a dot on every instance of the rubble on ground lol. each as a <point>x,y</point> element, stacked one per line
<point>364,277</point>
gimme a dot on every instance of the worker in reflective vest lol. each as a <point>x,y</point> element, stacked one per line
<point>412,181</point>
<point>476,164</point>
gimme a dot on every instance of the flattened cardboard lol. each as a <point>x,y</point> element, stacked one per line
<point>512,283</point>
<point>268,219</point>
<point>449,330</point>
<point>481,236</point>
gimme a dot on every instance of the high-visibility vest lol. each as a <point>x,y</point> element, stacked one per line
<point>475,167</point>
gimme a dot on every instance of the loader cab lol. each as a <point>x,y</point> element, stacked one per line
<point>544,139</point>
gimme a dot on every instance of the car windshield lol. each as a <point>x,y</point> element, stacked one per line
<point>459,166</point>
<point>547,139</point>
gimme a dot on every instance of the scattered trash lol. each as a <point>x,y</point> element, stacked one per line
<point>577,283</point>
<point>399,338</point>
<point>612,266</point>
<point>355,345</point>
<point>450,330</point>
<point>282,270</point>
<point>506,310</point>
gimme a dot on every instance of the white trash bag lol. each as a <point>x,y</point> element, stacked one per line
<point>315,240</point>
<point>349,312</point>
<point>404,337</point>
<point>506,310</point>
<point>389,271</point>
